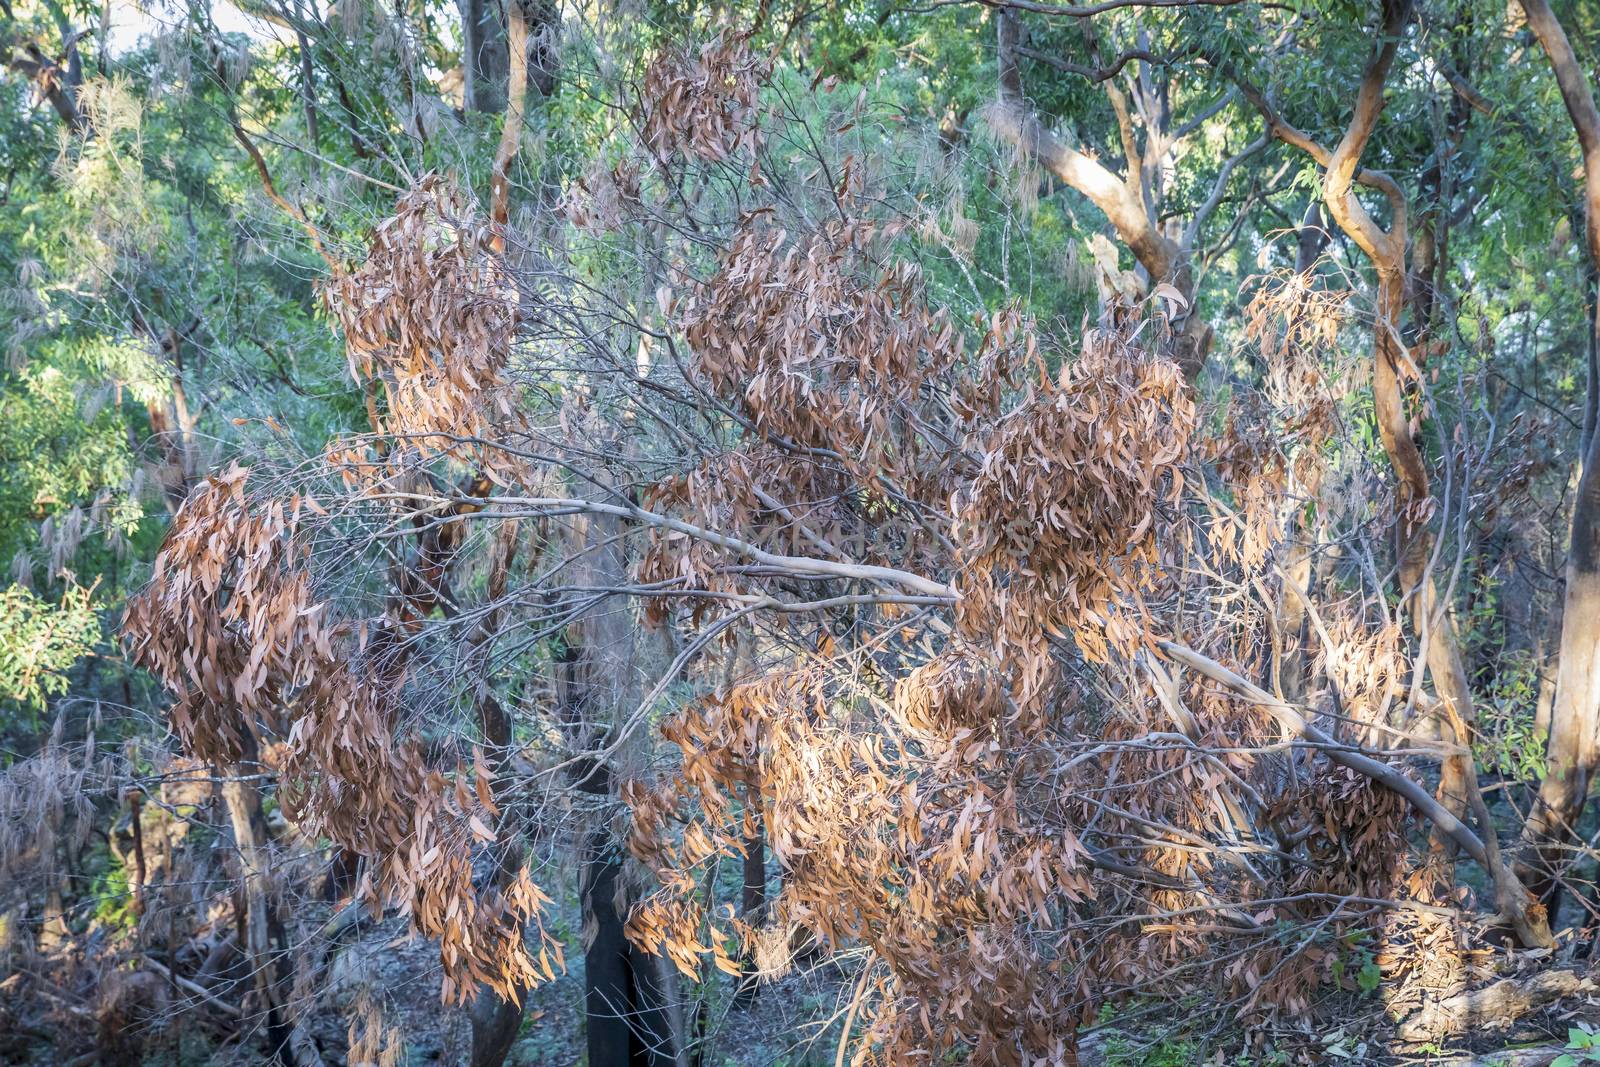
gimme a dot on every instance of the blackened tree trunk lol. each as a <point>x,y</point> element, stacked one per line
<point>486,44</point>
<point>623,998</point>
<point>752,906</point>
<point>628,1021</point>
<point>487,57</point>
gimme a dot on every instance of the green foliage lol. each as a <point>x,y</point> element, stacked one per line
<point>1354,962</point>
<point>1509,741</point>
<point>1583,1043</point>
<point>63,444</point>
<point>40,641</point>
<point>1122,1051</point>
<point>114,900</point>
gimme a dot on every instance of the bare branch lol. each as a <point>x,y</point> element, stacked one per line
<point>803,565</point>
<point>1097,75</point>
<point>1220,186</point>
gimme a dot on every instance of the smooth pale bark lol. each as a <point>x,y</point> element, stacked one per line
<point>1430,616</point>
<point>1120,199</point>
<point>1574,747</point>
<point>488,49</point>
<point>511,132</point>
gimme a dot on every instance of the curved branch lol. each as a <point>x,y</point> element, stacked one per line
<point>1386,249</point>
<point>1282,130</point>
<point>1218,188</point>
<point>268,186</point>
<point>1526,917</point>
<point>1096,75</point>
<point>1576,94</point>
<point>1119,199</point>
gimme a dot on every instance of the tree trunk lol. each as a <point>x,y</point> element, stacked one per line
<point>486,58</point>
<point>1572,750</point>
<point>495,1020</point>
<point>628,1020</point>
<point>1120,199</point>
<point>752,906</point>
<point>261,936</point>
<point>1574,746</point>
<point>623,998</point>
<point>1431,618</point>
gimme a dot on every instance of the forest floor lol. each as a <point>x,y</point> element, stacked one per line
<point>794,1021</point>
<point>1524,1011</point>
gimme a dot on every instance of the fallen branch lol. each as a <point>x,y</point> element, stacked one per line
<point>800,565</point>
<point>1495,1006</point>
<point>193,987</point>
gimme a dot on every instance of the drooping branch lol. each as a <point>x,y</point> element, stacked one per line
<point>263,172</point>
<point>1524,915</point>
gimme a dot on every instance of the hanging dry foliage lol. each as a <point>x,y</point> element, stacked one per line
<point>429,317</point>
<point>230,625</point>
<point>227,622</point>
<point>916,845</point>
<point>816,342</point>
<point>1081,469</point>
<point>704,102</point>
